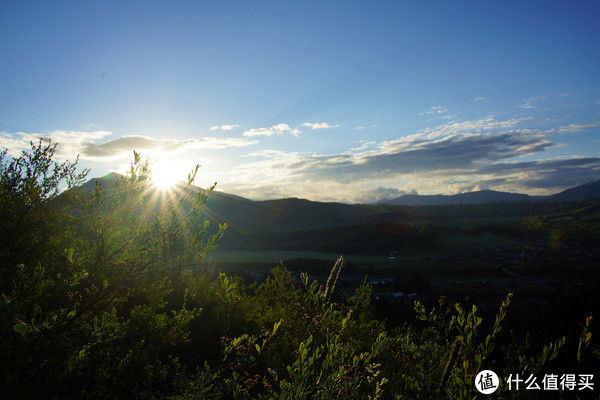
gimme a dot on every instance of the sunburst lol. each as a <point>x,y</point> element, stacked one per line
<point>165,174</point>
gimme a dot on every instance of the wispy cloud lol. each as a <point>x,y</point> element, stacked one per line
<point>435,110</point>
<point>272,130</point>
<point>319,125</point>
<point>480,98</point>
<point>361,127</point>
<point>527,105</point>
<point>577,127</point>
<point>469,126</point>
<point>228,127</point>
<point>365,144</point>
<point>530,102</point>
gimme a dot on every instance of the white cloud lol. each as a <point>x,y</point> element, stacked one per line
<point>530,102</point>
<point>361,127</point>
<point>266,153</point>
<point>480,98</point>
<point>381,193</point>
<point>272,130</point>
<point>448,158</point>
<point>364,144</point>
<point>464,127</point>
<point>443,159</point>
<point>435,110</point>
<point>224,127</point>
<point>296,132</point>
<point>527,105</point>
<point>577,127</point>
<point>319,125</point>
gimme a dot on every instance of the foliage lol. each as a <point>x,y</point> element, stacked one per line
<point>89,278</point>
<point>105,293</point>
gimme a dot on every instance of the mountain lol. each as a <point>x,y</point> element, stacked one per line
<point>246,216</point>
<point>477,197</point>
<point>586,191</point>
<point>410,222</point>
<point>590,190</point>
<point>293,210</point>
<point>279,215</point>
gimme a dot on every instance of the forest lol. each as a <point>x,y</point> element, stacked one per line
<point>107,294</point>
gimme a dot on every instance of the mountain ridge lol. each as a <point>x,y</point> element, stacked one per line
<point>581,192</point>
<point>589,190</point>
<point>294,223</point>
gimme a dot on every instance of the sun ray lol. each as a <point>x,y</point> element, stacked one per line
<point>166,174</point>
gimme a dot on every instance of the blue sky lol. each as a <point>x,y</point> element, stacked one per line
<point>345,101</point>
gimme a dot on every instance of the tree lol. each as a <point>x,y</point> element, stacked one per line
<point>32,211</point>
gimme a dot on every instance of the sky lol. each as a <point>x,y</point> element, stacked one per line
<point>351,101</point>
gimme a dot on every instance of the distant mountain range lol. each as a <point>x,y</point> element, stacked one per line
<point>590,190</point>
<point>296,214</point>
<point>300,224</point>
<point>583,192</point>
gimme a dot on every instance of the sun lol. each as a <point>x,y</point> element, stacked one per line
<point>165,175</point>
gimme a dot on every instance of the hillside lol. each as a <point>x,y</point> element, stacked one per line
<point>297,224</point>
<point>590,190</point>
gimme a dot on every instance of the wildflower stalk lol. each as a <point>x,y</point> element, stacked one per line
<point>334,273</point>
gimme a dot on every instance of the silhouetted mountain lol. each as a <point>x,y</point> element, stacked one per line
<point>586,191</point>
<point>590,190</point>
<point>303,224</point>
<point>247,216</point>
<point>478,197</point>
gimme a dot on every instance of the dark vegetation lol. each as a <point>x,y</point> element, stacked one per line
<point>418,229</point>
<point>106,293</point>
